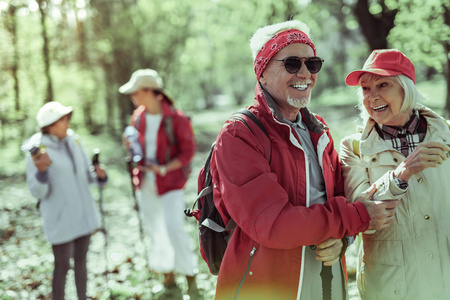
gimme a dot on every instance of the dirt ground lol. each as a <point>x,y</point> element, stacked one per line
<point>26,258</point>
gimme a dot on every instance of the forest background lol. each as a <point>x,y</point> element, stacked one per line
<point>78,52</point>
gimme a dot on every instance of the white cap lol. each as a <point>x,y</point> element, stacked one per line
<point>52,112</point>
<point>143,78</point>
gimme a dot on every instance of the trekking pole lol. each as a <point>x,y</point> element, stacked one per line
<point>136,205</point>
<point>327,277</point>
<point>96,162</point>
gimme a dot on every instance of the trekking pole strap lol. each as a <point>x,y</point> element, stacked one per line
<point>250,115</point>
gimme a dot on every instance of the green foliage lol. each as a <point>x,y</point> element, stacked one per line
<point>434,93</point>
<point>421,33</point>
<point>200,48</point>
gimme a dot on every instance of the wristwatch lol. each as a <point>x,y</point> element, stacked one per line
<point>400,182</point>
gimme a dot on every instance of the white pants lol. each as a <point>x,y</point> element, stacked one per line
<point>163,220</point>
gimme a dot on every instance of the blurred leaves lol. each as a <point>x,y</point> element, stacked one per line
<point>421,31</point>
<point>200,47</point>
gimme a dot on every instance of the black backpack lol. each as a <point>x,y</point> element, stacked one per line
<point>213,234</point>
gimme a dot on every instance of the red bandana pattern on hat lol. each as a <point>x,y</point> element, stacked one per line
<point>275,44</point>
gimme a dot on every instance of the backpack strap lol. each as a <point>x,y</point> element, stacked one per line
<point>207,181</point>
<point>356,141</point>
<point>168,129</point>
<point>208,189</point>
<point>252,117</point>
<point>216,227</point>
<point>355,146</point>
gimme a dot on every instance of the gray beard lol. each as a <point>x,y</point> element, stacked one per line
<point>300,102</point>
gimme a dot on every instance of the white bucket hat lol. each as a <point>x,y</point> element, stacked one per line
<point>52,112</point>
<point>143,78</point>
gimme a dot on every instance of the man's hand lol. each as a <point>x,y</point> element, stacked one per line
<point>426,155</point>
<point>381,212</point>
<point>329,251</point>
<point>42,161</point>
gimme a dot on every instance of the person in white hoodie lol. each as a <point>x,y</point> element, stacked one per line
<point>59,175</point>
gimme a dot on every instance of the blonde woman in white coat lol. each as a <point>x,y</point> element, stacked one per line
<point>403,150</point>
<point>59,177</point>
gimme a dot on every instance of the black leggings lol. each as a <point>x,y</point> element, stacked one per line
<point>77,248</point>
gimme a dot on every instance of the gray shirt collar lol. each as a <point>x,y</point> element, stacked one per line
<point>311,122</point>
<point>297,123</point>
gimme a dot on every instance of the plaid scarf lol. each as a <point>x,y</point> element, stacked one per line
<point>405,139</point>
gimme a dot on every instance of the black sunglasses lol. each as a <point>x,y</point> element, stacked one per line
<point>294,63</point>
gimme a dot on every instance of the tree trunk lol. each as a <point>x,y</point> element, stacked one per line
<point>447,102</point>
<point>101,24</point>
<point>11,25</point>
<point>337,72</point>
<point>447,64</point>
<point>82,56</point>
<point>290,10</point>
<point>375,28</point>
<point>45,50</point>
<point>208,94</point>
<point>447,77</point>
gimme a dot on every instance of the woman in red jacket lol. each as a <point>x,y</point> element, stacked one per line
<point>168,145</point>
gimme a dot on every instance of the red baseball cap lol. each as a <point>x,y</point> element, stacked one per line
<point>384,62</point>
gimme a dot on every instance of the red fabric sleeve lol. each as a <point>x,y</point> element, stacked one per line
<point>253,197</point>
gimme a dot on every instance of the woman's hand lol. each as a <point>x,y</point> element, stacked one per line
<point>426,155</point>
<point>149,167</point>
<point>126,143</point>
<point>381,212</point>
<point>161,170</point>
<point>42,161</point>
<point>101,173</point>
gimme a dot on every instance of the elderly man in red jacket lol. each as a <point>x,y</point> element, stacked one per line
<point>285,191</point>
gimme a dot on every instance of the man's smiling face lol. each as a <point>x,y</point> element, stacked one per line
<point>290,91</point>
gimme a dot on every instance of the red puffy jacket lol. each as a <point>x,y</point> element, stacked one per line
<point>263,187</point>
<point>183,148</point>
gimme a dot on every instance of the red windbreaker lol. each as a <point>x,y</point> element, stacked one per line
<point>183,148</point>
<point>264,188</point>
